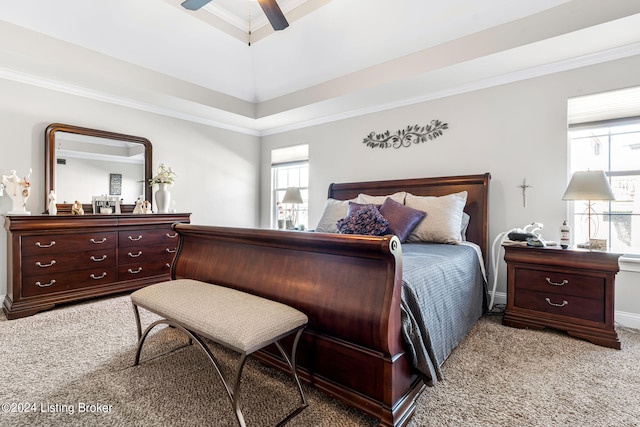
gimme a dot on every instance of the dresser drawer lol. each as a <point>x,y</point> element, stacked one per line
<point>66,281</point>
<point>157,267</point>
<point>144,254</point>
<point>560,283</point>
<point>147,237</point>
<point>562,305</point>
<point>63,243</point>
<point>60,262</point>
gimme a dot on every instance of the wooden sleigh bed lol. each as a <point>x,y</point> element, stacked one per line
<point>350,287</point>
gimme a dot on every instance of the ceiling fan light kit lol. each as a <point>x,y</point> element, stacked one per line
<point>269,7</point>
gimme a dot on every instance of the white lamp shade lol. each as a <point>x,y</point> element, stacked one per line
<point>292,195</point>
<point>589,185</point>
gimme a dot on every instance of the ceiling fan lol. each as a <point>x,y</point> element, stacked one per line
<point>269,7</point>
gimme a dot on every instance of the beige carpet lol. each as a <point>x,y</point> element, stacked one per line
<point>72,366</point>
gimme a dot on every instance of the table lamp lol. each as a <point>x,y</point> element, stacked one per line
<point>293,197</point>
<point>589,185</point>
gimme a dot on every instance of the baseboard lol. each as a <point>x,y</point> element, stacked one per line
<point>499,299</point>
<point>628,320</point>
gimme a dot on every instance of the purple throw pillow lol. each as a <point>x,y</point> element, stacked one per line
<point>402,219</point>
<point>366,220</point>
<point>355,207</point>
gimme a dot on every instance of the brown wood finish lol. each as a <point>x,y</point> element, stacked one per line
<point>60,259</point>
<point>566,289</point>
<point>477,187</point>
<point>349,286</point>
<point>50,162</point>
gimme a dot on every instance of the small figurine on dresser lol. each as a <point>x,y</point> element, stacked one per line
<point>52,208</point>
<point>77,209</point>
<point>138,208</point>
<point>19,191</point>
<point>146,207</point>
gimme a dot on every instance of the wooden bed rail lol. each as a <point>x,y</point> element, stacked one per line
<point>348,286</point>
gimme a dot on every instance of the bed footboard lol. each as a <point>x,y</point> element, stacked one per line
<point>349,287</point>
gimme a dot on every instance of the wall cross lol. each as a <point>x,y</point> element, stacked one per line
<point>524,187</point>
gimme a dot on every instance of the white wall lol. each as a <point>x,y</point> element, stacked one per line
<point>217,170</point>
<point>514,131</point>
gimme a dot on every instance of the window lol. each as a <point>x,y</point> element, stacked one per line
<point>290,168</point>
<point>613,146</point>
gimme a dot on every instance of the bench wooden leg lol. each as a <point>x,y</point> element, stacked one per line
<point>232,391</point>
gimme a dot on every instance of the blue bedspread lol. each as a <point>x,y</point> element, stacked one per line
<point>442,298</point>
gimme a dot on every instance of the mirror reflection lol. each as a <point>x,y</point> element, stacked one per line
<point>85,163</point>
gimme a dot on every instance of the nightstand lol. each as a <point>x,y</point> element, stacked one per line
<point>566,289</point>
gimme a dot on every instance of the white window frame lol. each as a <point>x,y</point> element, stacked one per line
<point>293,162</point>
<point>607,216</point>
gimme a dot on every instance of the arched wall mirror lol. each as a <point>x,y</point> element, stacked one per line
<point>81,163</point>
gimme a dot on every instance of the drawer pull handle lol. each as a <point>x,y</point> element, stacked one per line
<point>135,239</point>
<point>171,251</point>
<point>172,236</point>
<point>103,275</point>
<point>564,282</point>
<point>41,265</point>
<point>167,265</point>
<point>557,305</point>
<point>97,242</point>
<point>135,255</point>
<point>45,285</point>
<point>93,258</point>
<point>135,272</point>
<point>40,245</point>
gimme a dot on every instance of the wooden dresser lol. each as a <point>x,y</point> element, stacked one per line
<point>567,289</point>
<point>64,258</point>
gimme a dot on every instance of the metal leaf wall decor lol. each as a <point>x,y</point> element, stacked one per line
<point>406,137</point>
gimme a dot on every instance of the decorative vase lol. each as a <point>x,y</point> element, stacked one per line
<point>163,198</point>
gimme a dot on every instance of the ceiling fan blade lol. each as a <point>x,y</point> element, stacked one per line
<point>274,14</point>
<point>194,4</point>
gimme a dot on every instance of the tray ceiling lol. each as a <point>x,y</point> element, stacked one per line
<point>337,58</point>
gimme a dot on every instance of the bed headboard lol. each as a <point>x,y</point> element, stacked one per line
<point>477,187</point>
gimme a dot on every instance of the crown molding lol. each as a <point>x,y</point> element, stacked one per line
<point>530,73</point>
<point>254,126</point>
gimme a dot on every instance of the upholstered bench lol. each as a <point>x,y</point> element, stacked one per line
<point>237,320</point>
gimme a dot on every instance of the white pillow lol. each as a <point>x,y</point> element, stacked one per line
<point>366,199</point>
<point>332,212</point>
<point>443,220</point>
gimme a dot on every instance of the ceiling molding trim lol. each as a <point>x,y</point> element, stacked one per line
<point>67,88</point>
<point>231,18</point>
<point>551,68</point>
<point>539,71</point>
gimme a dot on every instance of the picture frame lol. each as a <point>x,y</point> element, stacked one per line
<point>105,204</point>
<point>115,184</point>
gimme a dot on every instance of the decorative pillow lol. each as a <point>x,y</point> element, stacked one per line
<point>444,217</point>
<point>366,220</point>
<point>354,207</point>
<point>378,200</point>
<point>465,224</point>
<point>332,212</point>
<point>402,219</point>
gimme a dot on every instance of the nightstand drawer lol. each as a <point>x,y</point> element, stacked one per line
<point>563,305</point>
<point>560,283</point>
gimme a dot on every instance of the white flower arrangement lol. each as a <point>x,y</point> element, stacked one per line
<point>165,175</point>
